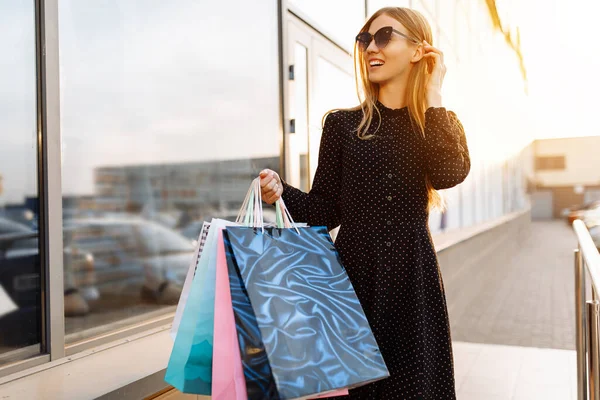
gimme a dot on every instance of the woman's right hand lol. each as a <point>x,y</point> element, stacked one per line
<point>270,186</point>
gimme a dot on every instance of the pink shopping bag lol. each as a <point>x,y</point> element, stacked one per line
<point>228,381</point>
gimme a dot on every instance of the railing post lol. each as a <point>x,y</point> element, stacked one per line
<point>580,343</point>
<point>593,319</point>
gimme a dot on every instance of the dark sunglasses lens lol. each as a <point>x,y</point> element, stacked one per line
<point>364,39</point>
<point>383,37</point>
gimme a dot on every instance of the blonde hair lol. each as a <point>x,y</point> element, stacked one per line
<point>418,28</point>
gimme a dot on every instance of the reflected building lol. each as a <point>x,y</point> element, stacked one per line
<point>196,187</point>
<point>567,174</point>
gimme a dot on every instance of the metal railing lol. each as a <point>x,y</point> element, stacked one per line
<point>587,315</point>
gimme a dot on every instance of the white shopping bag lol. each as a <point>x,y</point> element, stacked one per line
<point>189,278</point>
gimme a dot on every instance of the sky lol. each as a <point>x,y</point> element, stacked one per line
<point>560,41</point>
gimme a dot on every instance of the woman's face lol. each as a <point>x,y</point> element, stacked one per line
<point>396,58</point>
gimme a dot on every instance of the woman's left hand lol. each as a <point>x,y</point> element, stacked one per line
<point>436,75</point>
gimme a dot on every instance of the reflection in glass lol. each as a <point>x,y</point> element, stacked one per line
<point>20,293</point>
<point>160,131</point>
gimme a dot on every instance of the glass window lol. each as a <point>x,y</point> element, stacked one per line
<point>340,20</point>
<point>165,122</point>
<point>20,295</point>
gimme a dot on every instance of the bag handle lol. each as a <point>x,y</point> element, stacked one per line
<point>251,211</point>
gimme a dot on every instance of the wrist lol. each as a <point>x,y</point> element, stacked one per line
<point>434,98</point>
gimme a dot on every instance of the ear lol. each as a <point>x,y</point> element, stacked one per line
<point>418,53</point>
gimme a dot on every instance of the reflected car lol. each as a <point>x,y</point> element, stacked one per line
<point>20,279</point>
<point>131,252</point>
<point>19,242</point>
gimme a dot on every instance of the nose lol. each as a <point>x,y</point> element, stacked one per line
<point>372,48</point>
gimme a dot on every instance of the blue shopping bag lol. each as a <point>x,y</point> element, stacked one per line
<point>301,329</point>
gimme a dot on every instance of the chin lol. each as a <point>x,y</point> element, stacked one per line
<point>377,79</point>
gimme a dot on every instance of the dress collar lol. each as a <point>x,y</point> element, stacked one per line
<point>394,112</point>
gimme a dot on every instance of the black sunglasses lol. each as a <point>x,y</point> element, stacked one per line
<point>382,38</point>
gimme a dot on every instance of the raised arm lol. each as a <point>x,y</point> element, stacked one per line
<point>446,152</point>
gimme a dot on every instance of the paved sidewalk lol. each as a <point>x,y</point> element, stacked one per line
<point>498,372</point>
<point>523,297</point>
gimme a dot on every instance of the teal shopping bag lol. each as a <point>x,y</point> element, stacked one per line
<point>190,365</point>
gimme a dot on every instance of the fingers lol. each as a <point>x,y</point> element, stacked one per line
<point>430,49</point>
<point>267,175</point>
<point>435,56</point>
<point>438,68</point>
<point>272,196</point>
<point>270,186</point>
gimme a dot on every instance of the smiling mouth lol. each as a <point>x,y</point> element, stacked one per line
<point>376,64</point>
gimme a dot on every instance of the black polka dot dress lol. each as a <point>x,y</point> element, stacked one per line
<point>376,190</point>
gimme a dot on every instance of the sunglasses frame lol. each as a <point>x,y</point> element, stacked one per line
<point>372,37</point>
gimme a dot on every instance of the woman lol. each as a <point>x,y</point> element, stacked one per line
<point>379,167</point>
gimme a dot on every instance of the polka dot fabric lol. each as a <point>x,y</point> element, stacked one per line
<point>376,190</point>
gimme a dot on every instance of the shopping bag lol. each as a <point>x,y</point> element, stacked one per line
<point>260,383</point>
<point>300,325</point>
<point>188,279</point>
<point>190,365</point>
<point>228,382</point>
<point>301,329</point>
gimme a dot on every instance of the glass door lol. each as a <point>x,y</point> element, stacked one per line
<point>321,78</point>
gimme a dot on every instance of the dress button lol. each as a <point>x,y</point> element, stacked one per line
<point>389,244</point>
<point>388,268</point>
<point>390,175</point>
<point>389,198</point>
<point>389,222</point>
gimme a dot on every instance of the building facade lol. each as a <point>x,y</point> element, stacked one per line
<point>139,108</point>
<point>567,174</point>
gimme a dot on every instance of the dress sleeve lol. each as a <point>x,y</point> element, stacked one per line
<point>320,206</point>
<point>446,152</point>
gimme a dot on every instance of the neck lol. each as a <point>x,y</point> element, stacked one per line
<point>393,93</point>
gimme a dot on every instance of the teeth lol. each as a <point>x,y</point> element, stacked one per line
<point>374,63</point>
